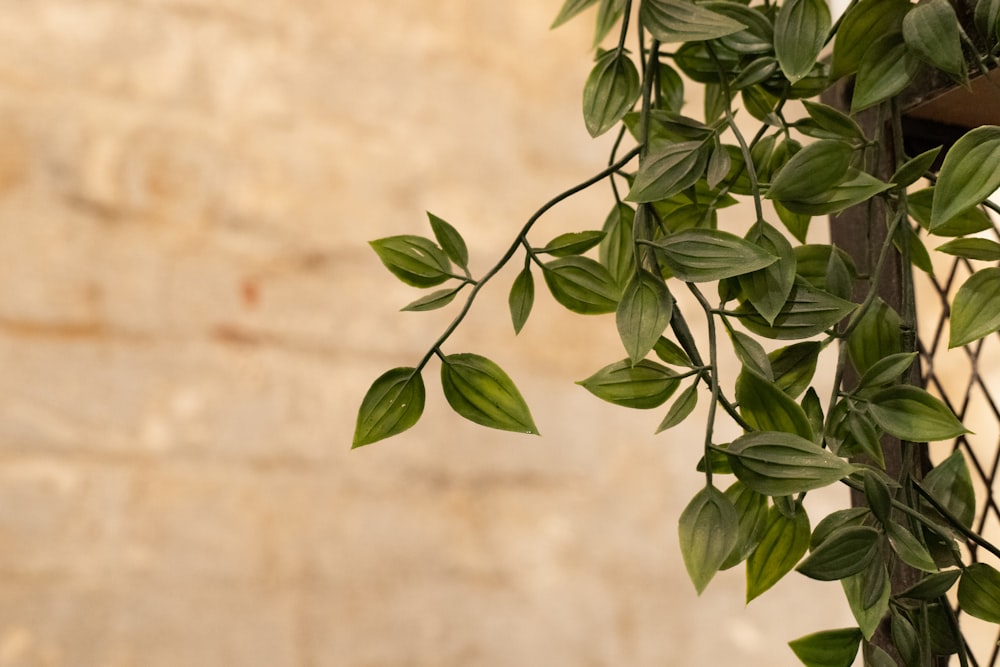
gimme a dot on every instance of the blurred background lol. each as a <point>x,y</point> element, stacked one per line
<point>190,315</point>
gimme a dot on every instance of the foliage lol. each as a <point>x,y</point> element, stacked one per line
<point>664,232</point>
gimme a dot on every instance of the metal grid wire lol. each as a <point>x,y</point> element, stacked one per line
<point>968,380</point>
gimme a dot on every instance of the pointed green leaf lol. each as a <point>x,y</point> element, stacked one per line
<point>910,413</point>
<point>861,25</point>
<point>878,496</point>
<point>671,88</point>
<point>644,385</point>
<point>680,409</point>
<point>807,312</point>
<point>581,285</point>
<point>969,174</point>
<point>707,532</point>
<point>856,187</point>
<point>812,171</point>
<point>643,314</point>
<point>608,14</point>
<point>979,592</point>
<point>950,484</point>
<point>877,336</point>
<point>868,595</point>
<point>986,17</point>
<point>718,165</point>
<point>829,648</point>
<point>668,171</point>
<point>914,169</point>
<point>751,508</point>
<point>969,221</point>
<point>933,586</point>
<point>794,366</point>
<point>975,312</point>
<point>437,299</point>
<point>845,552</point>
<point>700,255</point>
<point>766,407</point>
<point>931,30</point>
<point>885,70</point>
<point>451,241</point>
<point>800,32</point>
<point>611,89</point>
<point>679,21</point>
<point>909,549</point>
<point>758,37</point>
<point>573,243</point>
<point>413,259</point>
<point>834,122</point>
<point>796,223</point>
<point>835,521</point>
<point>521,298</point>
<point>617,251</point>
<point>671,353</point>
<point>752,354</point>
<point>479,390</point>
<point>393,404</point>
<point>757,70</point>
<point>781,464</point>
<point>768,288</point>
<point>782,544</point>
<point>981,249</point>
<point>570,9</point>
<point>887,370</point>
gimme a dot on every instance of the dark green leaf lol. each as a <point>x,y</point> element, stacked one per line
<point>643,314</point>
<point>413,259</point>
<point>617,251</point>
<point>758,37</point>
<point>671,88</point>
<point>570,9</point>
<point>932,586</point>
<point>868,595</point>
<point>812,171</point>
<point>718,165</point>
<point>950,484</point>
<point>573,243</point>
<point>910,413</point>
<point>800,32</point>
<point>914,169</point>
<point>981,249</point>
<point>835,521</point>
<point>975,312</point>
<point>779,464</point>
<point>807,312</point>
<point>768,288</point>
<point>836,123</point>
<point>876,336</point>
<point>671,353</point>
<point>969,221</point>
<point>608,14</point>
<point>909,549</point>
<point>611,89</point>
<point>845,552</point>
<point>751,508</point>
<point>479,390</point>
<point>707,531</point>
<point>669,170</point>
<point>699,255</point>
<point>887,370</point>
<point>437,299</point>
<point>969,174</point>
<point>782,544</point>
<point>393,404</point>
<point>813,262</point>
<point>681,408</point>
<point>885,70</point>
<point>451,241</point>
<point>862,25</point>
<point>678,21</point>
<point>876,656</point>
<point>752,355</point>
<point>878,496</point>
<point>857,187</point>
<point>521,298</point>
<point>931,30</point>
<point>766,407</point>
<point>796,223</point>
<point>814,410</point>
<point>987,19</point>
<point>979,592</point>
<point>829,648</point>
<point>644,385</point>
<point>581,285</point>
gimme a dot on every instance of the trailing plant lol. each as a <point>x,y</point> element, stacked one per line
<point>671,176</point>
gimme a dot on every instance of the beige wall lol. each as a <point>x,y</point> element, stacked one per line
<point>189,317</point>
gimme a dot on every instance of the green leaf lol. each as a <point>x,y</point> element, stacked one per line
<point>679,21</point>
<point>643,314</point>
<point>885,70</point>
<point>570,9</point>
<point>910,413</point>
<point>718,165</point>
<point>751,508</point>
<point>644,385</point>
<point>781,464</point>
<point>914,169</point>
<point>573,243</point>
<point>969,174</point>
<point>521,298</point>
<point>975,312</point>
<point>813,409</point>
<point>861,25</point>
<point>877,336</point>
<point>857,187</point>
<point>610,91</point>
<point>807,312</point>
<point>950,484</point>
<point>700,255</point>
<point>707,531</point>
<point>768,288</point>
<point>868,595</point>
<point>931,30</point>
<point>617,251</point>
<point>876,656</point>
<point>812,171</point>
<point>392,404</point>
<point>669,170</point>
<point>933,586</point>
<point>752,354</point>
<point>796,223</point>
<point>879,496</point>
<point>608,14</point>
<point>581,285</point>
<point>437,299</point>
<point>835,123</point>
<point>413,259</point>
<point>844,553</point>
<point>766,407</point>
<point>979,592</point>
<point>671,353</point>
<point>905,637</point>
<point>829,648</point>
<point>835,521</point>
<point>451,241</point>
<point>800,32</point>
<point>782,544</point>
<point>970,221</point>
<point>681,408</point>
<point>794,366</point>
<point>982,249</point>
<point>886,370</point>
<point>479,390</point>
<point>756,71</point>
<point>909,549</point>
<point>986,17</point>
<point>671,88</point>
<point>758,37</point>
<point>813,262</point>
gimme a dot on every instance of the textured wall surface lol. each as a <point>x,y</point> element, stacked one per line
<point>189,317</point>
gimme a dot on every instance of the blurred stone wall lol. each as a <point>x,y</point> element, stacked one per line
<point>189,317</point>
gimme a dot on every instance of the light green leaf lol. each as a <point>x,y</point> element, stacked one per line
<point>479,390</point>
<point>885,70</point>
<point>751,508</point>
<point>392,404</point>
<point>679,21</point>
<point>766,407</point>
<point>413,259</point>
<point>829,648</point>
<point>644,385</point>
<point>914,169</point>
<point>781,464</point>
<point>868,595</point>
<point>707,532</point>
<point>981,249</point>
<point>699,255</point>
<point>910,413</point>
<point>610,91</point>
<point>845,552</point>
<point>812,171</point>
<point>835,123</point>
<point>573,243</point>
<point>861,25</point>
<point>782,544</point>
<point>833,522</point>
<point>581,285</point>
<point>857,187</point>
<point>680,409</point>
<point>668,171</point>
<point>437,299</point>
<point>933,586</point>
<point>807,312</point>
<point>909,549</point>
<point>570,9</point>
<point>451,241</point>
<point>643,314</point>
<point>970,221</point>
<point>521,298</point>
<point>969,174</point>
<point>768,288</point>
<point>975,311</point>
<point>950,484</point>
<point>878,335</point>
<point>931,30</point>
<point>886,370</point>
<point>979,592</point>
<point>617,251</point>
<point>800,32</point>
